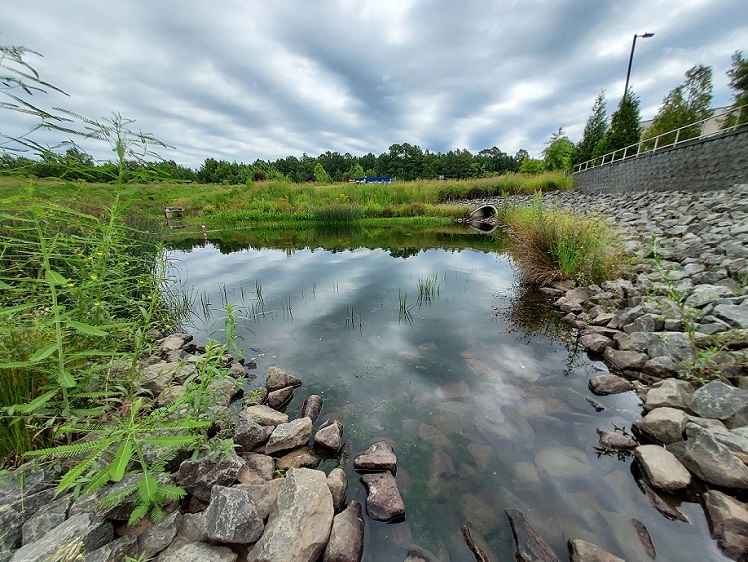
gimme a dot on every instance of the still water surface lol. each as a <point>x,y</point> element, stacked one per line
<point>480,388</point>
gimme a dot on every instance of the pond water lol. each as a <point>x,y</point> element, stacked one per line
<point>478,386</point>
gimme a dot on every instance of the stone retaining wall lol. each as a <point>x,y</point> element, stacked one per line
<point>698,165</point>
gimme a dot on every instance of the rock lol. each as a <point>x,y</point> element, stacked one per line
<point>337,481</point>
<point>380,456</point>
<point>300,523</point>
<point>346,542</point>
<point>721,401</point>
<point>192,527</point>
<point>384,502</point>
<point>330,436</point>
<point>312,407</point>
<point>644,537</point>
<point>674,345</point>
<point>663,425</point>
<point>289,436</point>
<point>200,475</point>
<point>655,500</point>
<point>277,379</point>
<point>595,404</point>
<point>583,551</point>
<point>114,551</point>
<point>257,468</point>
<point>249,434</point>
<point>298,458</point>
<point>595,342</point>
<point>616,441</point>
<point>661,367</point>
<point>174,341</point>
<point>279,398</point>
<point>623,360</point>
<point>701,295</point>
<point>454,391</point>
<point>710,460</point>
<point>223,390</point>
<point>602,385</point>
<point>728,522</point>
<point>734,315</point>
<point>671,393</point>
<point>81,533</point>
<point>264,415</point>
<point>201,552</point>
<point>231,517</point>
<point>158,537</point>
<point>45,519</point>
<point>263,495</point>
<point>662,468</point>
<point>530,546</point>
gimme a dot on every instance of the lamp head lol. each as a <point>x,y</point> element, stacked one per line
<point>647,35</point>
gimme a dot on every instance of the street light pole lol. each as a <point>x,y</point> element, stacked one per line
<point>631,58</point>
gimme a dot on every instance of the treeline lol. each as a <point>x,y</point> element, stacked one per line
<point>401,161</point>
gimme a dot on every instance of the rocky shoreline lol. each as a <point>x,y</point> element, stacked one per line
<point>675,330</point>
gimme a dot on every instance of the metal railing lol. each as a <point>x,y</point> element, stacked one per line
<point>728,121</point>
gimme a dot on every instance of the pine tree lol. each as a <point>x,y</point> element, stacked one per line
<point>624,126</point>
<point>594,130</point>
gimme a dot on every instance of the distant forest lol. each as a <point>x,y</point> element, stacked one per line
<point>402,161</point>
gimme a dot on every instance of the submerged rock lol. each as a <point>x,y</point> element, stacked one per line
<point>728,522</point>
<point>530,546</point>
<point>583,551</point>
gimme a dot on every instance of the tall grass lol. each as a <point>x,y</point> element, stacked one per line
<point>553,244</point>
<point>77,287</point>
<point>272,201</point>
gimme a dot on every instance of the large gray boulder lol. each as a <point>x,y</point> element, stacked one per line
<point>670,393</point>
<point>82,533</point>
<point>289,436</point>
<point>728,522</point>
<point>664,425</point>
<point>603,385</point>
<point>300,523</point>
<point>662,468</point>
<point>200,475</point>
<point>264,415</point>
<point>384,502</point>
<point>735,315</point>
<point>624,360</point>
<point>346,542</point>
<point>231,517</point>
<point>710,460</point>
<point>721,401</point>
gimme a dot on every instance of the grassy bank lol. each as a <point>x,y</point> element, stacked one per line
<point>550,244</point>
<point>272,201</point>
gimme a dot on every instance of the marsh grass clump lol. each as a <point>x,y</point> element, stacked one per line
<point>337,214</point>
<point>554,244</point>
<point>428,289</point>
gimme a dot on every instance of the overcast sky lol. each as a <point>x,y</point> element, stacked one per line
<point>240,80</point>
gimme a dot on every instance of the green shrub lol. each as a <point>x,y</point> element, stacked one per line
<point>549,245</point>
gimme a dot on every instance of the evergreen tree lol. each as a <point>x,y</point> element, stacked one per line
<point>624,126</point>
<point>320,174</point>
<point>594,131</point>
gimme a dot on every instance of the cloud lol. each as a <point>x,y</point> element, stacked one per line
<point>241,81</point>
